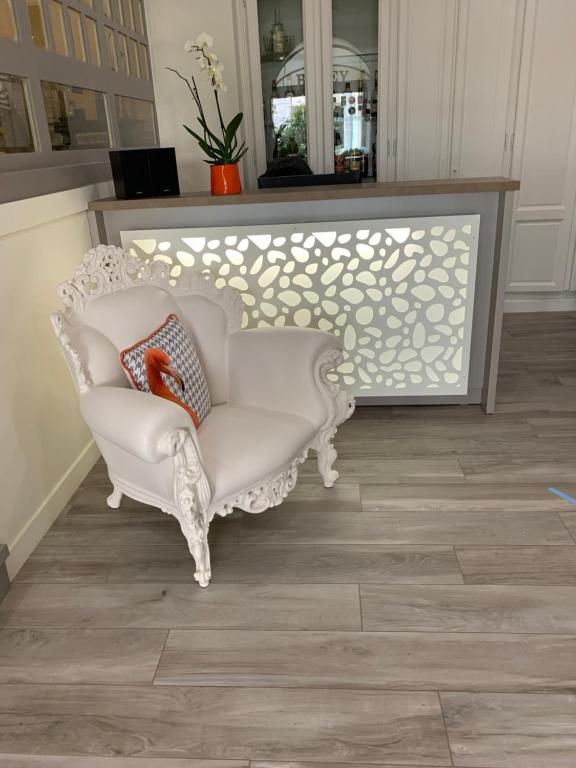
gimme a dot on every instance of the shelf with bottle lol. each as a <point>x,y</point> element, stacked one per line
<point>355,123</point>
<point>276,45</point>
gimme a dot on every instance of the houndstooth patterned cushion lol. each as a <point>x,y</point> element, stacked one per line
<point>172,339</point>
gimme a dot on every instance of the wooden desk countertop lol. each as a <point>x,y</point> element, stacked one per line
<point>309,194</point>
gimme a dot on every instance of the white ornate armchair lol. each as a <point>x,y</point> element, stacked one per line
<point>271,396</point>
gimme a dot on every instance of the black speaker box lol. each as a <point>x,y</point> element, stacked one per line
<point>144,172</point>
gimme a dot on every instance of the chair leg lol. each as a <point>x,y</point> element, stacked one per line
<point>195,530</point>
<point>326,454</point>
<point>115,498</point>
<point>200,551</point>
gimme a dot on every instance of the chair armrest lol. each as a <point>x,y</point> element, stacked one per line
<point>278,369</point>
<point>138,422</point>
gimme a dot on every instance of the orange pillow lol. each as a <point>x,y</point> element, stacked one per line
<point>166,364</point>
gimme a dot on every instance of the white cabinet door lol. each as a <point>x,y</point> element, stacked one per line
<point>545,149</point>
<point>426,49</point>
<point>487,61</point>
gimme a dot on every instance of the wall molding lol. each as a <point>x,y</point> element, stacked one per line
<point>539,303</point>
<point>26,541</point>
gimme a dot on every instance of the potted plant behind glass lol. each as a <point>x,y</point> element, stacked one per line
<point>223,151</point>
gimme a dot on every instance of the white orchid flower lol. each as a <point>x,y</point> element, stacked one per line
<point>217,80</point>
<point>204,40</point>
<point>213,58</point>
<point>190,46</point>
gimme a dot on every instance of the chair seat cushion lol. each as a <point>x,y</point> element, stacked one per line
<point>242,446</point>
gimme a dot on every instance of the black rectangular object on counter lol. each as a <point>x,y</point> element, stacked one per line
<point>144,172</point>
<point>310,180</point>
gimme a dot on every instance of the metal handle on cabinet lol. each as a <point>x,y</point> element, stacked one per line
<point>387,147</point>
<point>505,142</point>
<point>394,150</point>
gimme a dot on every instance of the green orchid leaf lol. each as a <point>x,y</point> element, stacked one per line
<point>240,154</point>
<point>232,127</point>
<point>219,143</point>
<point>204,146</point>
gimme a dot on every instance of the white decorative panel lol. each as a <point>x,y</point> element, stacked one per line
<point>399,293</point>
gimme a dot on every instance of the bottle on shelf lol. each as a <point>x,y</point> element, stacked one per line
<point>374,102</point>
<point>278,36</point>
<point>361,97</point>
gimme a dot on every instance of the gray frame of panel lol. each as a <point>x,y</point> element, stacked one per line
<point>491,265</point>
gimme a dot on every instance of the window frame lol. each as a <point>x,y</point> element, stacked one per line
<point>24,59</point>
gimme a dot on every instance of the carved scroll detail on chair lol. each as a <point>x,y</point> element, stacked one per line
<point>340,407</point>
<point>268,494</point>
<point>192,495</point>
<point>107,269</point>
<point>82,377</point>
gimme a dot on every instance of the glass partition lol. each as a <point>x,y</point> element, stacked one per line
<point>143,59</point>
<point>15,127</point>
<point>76,30</point>
<point>111,48</point>
<point>77,117</point>
<point>37,25</point>
<point>92,41</point>
<point>57,23</point>
<point>136,122</point>
<point>283,83</point>
<point>355,91</point>
<point>7,26</point>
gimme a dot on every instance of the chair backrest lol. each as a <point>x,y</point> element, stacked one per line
<point>116,299</point>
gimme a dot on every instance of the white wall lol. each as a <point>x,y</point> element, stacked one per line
<point>169,26</point>
<point>45,448</point>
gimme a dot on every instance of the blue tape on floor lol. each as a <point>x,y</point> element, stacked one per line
<point>563,495</point>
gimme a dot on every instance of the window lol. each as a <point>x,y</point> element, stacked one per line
<point>77,37</point>
<point>111,49</point>
<point>128,15</point>
<point>57,24</point>
<point>133,57</point>
<point>139,8</point>
<point>136,122</point>
<point>77,117</point>
<point>37,25</point>
<point>92,41</point>
<point>144,68</point>
<point>123,53</point>
<point>7,26</point>
<point>15,127</point>
<point>117,6</point>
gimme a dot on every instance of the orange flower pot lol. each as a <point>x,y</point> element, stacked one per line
<point>225,180</point>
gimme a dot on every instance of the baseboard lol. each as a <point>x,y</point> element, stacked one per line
<point>536,303</point>
<point>30,536</point>
<point>4,580</point>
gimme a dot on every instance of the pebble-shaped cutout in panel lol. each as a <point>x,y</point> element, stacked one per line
<point>399,294</point>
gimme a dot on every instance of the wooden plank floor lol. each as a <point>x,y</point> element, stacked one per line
<point>422,613</point>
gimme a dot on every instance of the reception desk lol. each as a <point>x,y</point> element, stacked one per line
<point>409,275</point>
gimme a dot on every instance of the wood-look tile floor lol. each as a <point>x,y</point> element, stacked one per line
<point>422,613</point>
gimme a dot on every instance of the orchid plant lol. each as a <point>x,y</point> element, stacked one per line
<point>220,151</point>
